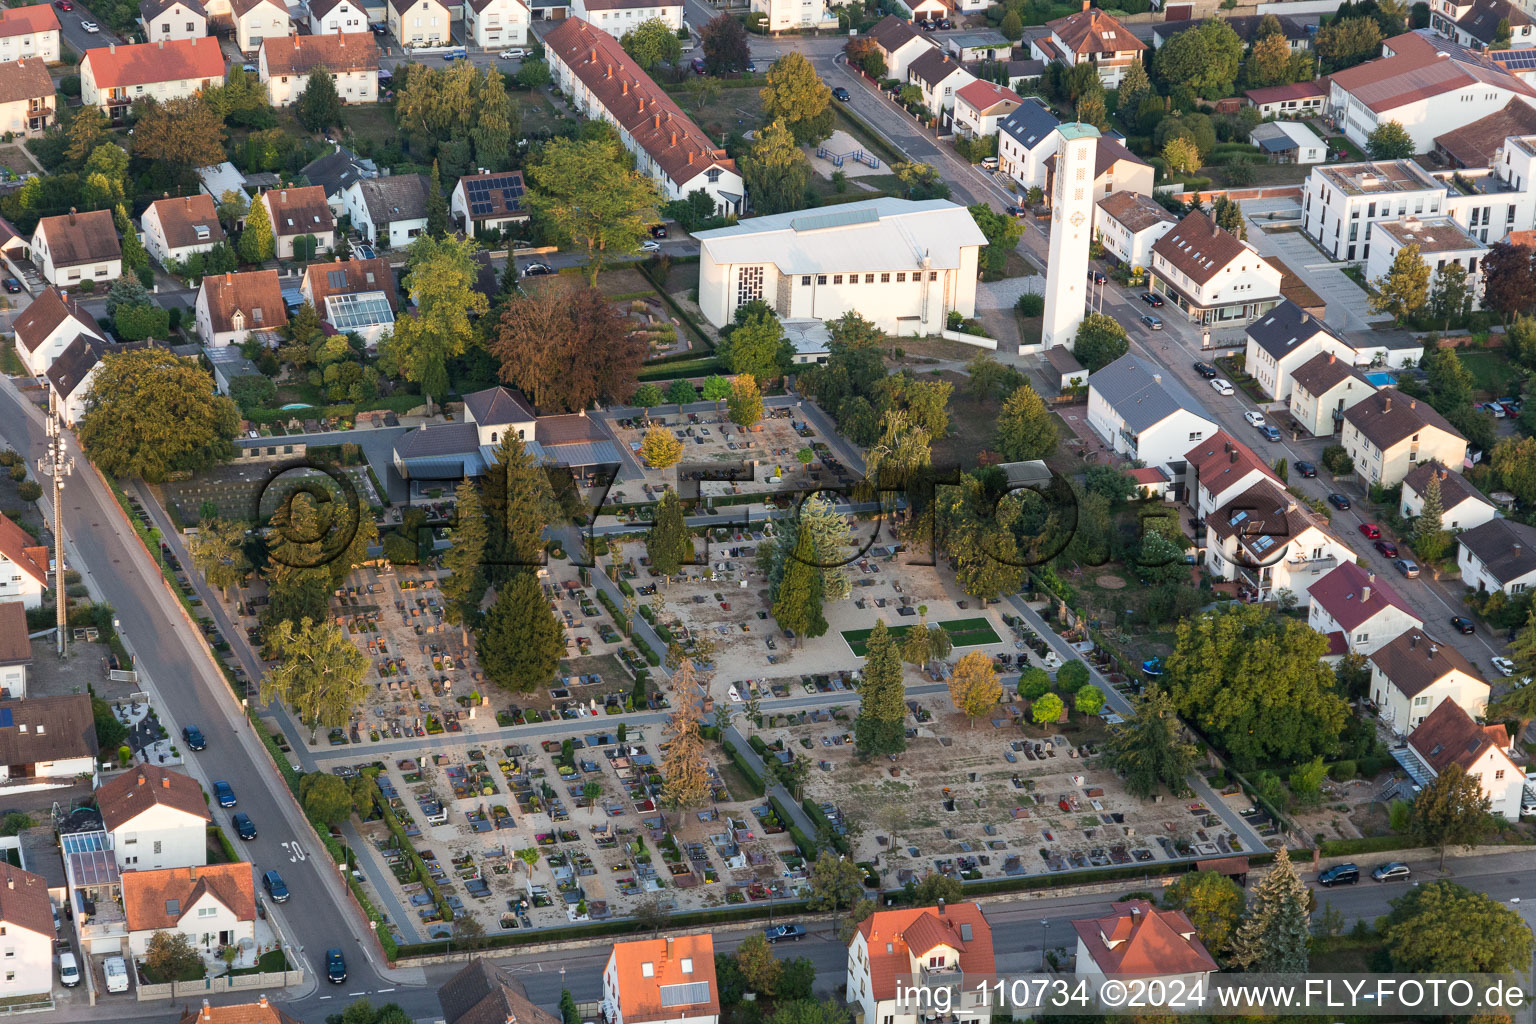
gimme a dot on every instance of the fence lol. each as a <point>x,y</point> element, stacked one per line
<point>227,983</point>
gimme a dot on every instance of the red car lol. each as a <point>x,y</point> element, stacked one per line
<point>63,5</point>
<point>1371,530</point>
<point>1387,548</point>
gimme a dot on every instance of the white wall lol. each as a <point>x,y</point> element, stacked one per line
<point>503,23</point>
<point>1404,713</point>
<point>161,837</point>
<point>177,22</point>
<point>40,44</point>
<point>1477,577</point>
<point>344,17</point>
<point>1376,632</point>
<point>426,23</point>
<point>28,963</point>
<point>258,24</point>
<point>202,922</point>
<point>1464,515</point>
<point>618,22</point>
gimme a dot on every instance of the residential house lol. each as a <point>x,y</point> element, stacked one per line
<point>601,80</point>
<point>424,23</point>
<point>1300,99</point>
<point>26,934</point>
<point>1128,224</point>
<point>492,24</point>
<point>489,202</point>
<point>1498,555</point>
<point>1462,505</point>
<point>617,17</point>
<point>75,247</point>
<point>352,58</point>
<point>390,212</point>
<point>1388,434</point>
<point>941,945</point>
<point>259,1012</point>
<point>792,15</point>
<point>1355,196</point>
<point>985,45</point>
<point>485,993</point>
<point>45,742</point>
<point>671,980</point>
<point>1143,412</point>
<point>15,650</point>
<point>26,97</point>
<point>24,566</point>
<point>1210,274</point>
<point>335,171</point>
<point>1220,468</point>
<point>1369,613</point>
<point>1246,26</point>
<point>330,17</point>
<point>1450,736</point>
<point>1284,339</point>
<point>1440,241</point>
<point>71,375</point>
<point>158,818</point>
<point>1139,939</point>
<point>231,307</point>
<point>1480,24</point>
<point>31,31</point>
<point>115,77</point>
<point>1479,143</point>
<point>1115,169</point>
<point>47,326</point>
<point>214,905</point>
<point>356,296</point>
<point>1271,544</point>
<point>259,20</point>
<point>1026,139</point>
<point>1322,388</point>
<point>980,106</point>
<point>1090,36</point>
<point>939,76</point>
<point>902,263</point>
<point>173,19</point>
<point>300,213</point>
<point>176,228</point>
<point>1415,672</point>
<point>1288,142</point>
<point>899,43</point>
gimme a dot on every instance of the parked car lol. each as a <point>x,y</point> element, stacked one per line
<point>784,933</point>
<point>194,737</point>
<point>1153,323</point>
<point>1097,276</point>
<point>69,969</point>
<point>1408,568</point>
<point>658,231</point>
<point>273,883</point>
<point>453,55</point>
<point>946,23</point>
<point>1255,419</point>
<point>1504,666</point>
<point>1152,299</point>
<point>1463,625</point>
<point>839,93</point>
<point>225,793</point>
<point>989,163</point>
<point>115,970</point>
<point>335,966</point>
<point>1387,548</point>
<point>1016,211</point>
<point>698,66</point>
<point>1306,469</point>
<point>1396,871</point>
<point>649,246</point>
<point>537,270</point>
<point>1221,386</point>
<point>12,285</point>
<point>1371,530</point>
<point>1339,874</point>
<point>1270,433</point>
<point>245,828</point>
<point>90,26</point>
<point>1339,501</point>
<point>1205,370</point>
<point>516,53</point>
<point>63,5</point>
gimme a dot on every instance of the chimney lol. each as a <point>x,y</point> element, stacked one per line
<point>262,1002</point>
<point>1413,641</point>
<point>624,88</point>
<point>1233,457</point>
<point>10,881</point>
<point>229,278</point>
<point>1087,5</point>
<point>1365,594</point>
<point>656,121</point>
<point>1516,550</point>
<point>162,44</point>
<point>674,138</point>
<point>207,1011</point>
<point>1370,577</point>
<point>1413,403</point>
<point>111,47</point>
<point>1332,358</point>
<point>141,779</point>
<point>283,195</point>
<point>1135,911</point>
<point>71,214</point>
<point>1386,406</point>
<point>1432,649</point>
<point>941,906</point>
<point>690,158</point>
<point>669,947</point>
<point>165,782</point>
<point>1157,378</point>
<point>192,872</point>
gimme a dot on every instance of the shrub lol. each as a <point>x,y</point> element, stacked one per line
<point>1343,771</point>
<point>69,85</point>
<point>1031,304</point>
<point>29,490</point>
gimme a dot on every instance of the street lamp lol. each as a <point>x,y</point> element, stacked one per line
<point>1045,927</point>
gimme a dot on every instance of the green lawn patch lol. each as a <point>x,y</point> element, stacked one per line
<point>1494,373</point>
<point>271,962</point>
<point>976,632</point>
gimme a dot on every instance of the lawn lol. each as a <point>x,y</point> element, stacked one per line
<point>976,632</point>
<point>728,111</point>
<point>272,961</point>
<point>1495,375</point>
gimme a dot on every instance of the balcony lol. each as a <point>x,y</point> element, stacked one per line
<point>1131,440</point>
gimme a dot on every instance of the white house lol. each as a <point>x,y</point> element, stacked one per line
<point>1139,939</point>
<point>390,212</point>
<point>902,264</point>
<point>45,742</point>
<point>1026,139</point>
<point>327,17</point>
<point>26,97</point>
<point>1498,555</point>
<point>1092,37</point>
<point>420,22</point>
<point>899,43</point>
<point>31,31</point>
<point>257,20</point>
<point>1477,24</point>
<point>939,76</point>
<point>1411,676</point>
<point>498,411</point>
<point>176,228</point>
<point>352,59</point>
<point>26,934</point>
<point>115,77</point>
<point>1341,202</point>
<point>1322,388</point>
<point>1288,142</point>
<point>1369,613</point>
<point>173,19</point>
<point>943,945</point>
<point>602,81</point>
<point>231,306</point>
<point>1210,274</point>
<point>74,370</point>
<point>214,905</point>
<point>1143,412</point>
<point>980,106</point>
<point>1462,505</point>
<point>1271,544</point>
<point>1128,224</point>
<point>492,24</point>
<point>617,17</point>
<point>1218,469</point>
<point>1115,169</point>
<point>300,213</point>
<point>1387,434</point>
<point>1450,736</point>
<point>662,981</point>
<point>489,202</point>
<point>1299,99</point>
<point>47,326</point>
<point>356,296</point>
<point>158,819</point>
<point>1284,339</point>
<point>789,15</point>
<point>75,247</point>
<point>15,650</point>
<point>1440,241</point>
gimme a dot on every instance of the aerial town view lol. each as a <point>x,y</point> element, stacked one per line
<point>767,511</point>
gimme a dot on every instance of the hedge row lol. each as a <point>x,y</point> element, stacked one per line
<point>1369,844</point>
<point>651,657</point>
<point>803,842</point>
<point>754,780</point>
<point>406,845</point>
<point>824,825</point>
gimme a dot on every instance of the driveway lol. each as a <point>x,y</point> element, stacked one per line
<point>1347,309</point>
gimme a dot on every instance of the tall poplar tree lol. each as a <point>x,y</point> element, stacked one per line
<point>466,583</point>
<point>668,543</point>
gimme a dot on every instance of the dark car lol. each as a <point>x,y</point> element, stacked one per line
<point>658,231</point>
<point>1338,501</point>
<point>1152,299</point>
<point>1387,548</point>
<point>224,793</point>
<point>63,5</point>
<point>1205,370</point>
<point>194,737</point>
<point>946,23</point>
<point>1152,322</point>
<point>1097,276</point>
<point>698,66</point>
<point>839,93</point>
<point>273,882</point>
<point>12,285</point>
<point>1339,874</point>
<point>1016,211</point>
<point>335,966</point>
<point>537,270</point>
<point>1306,469</point>
<point>245,828</point>
<point>784,933</point>
<point>1464,626</point>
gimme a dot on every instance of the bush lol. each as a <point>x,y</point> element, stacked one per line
<point>86,286</point>
<point>1031,304</point>
<point>69,85</point>
<point>1343,771</point>
<point>29,490</point>
<point>1072,676</point>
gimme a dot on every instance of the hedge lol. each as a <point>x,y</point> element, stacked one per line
<point>651,657</point>
<point>406,845</point>
<point>803,842</point>
<point>754,780</point>
<point>227,847</point>
<point>824,825</point>
<point>1369,844</point>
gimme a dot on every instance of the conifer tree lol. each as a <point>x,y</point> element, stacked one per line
<point>438,222</point>
<point>520,642</point>
<point>1273,937</point>
<point>669,544</point>
<point>881,725</point>
<point>797,605</point>
<point>257,243</point>
<point>465,585</point>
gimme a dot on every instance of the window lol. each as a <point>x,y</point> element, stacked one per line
<point>687,965</point>
<point>1497,775</point>
<point>837,278</point>
<point>933,275</point>
<point>821,278</point>
<point>713,175</point>
<point>1361,638</point>
<point>885,278</point>
<point>901,278</point>
<point>805,281</point>
<point>749,285</point>
<point>207,911</point>
<point>157,846</point>
<point>647,970</point>
<point>869,278</point>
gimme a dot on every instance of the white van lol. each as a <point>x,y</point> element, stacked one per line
<point>116,971</point>
<point>69,969</point>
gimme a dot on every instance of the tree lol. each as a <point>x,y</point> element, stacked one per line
<point>973,686</point>
<point>660,449</point>
<point>257,241</point>
<point>172,955</point>
<point>1025,429</point>
<point>1228,215</point>
<point>685,766</point>
<point>1003,233</point>
<point>651,42</point>
<point>1100,341</point>
<point>1180,154</point>
<point>587,192</point>
<point>519,504</point>
<point>1012,27</point>
<point>465,585</point>
<point>319,105</point>
<point>1345,42</point>
<point>796,95</point>
<point>520,641</point>
<point>1509,279</point>
<point>757,345</point>
<point>439,218</point>
<point>797,603</point>
<point>716,389</point>
<point>1273,935</point>
<point>1212,902</point>
<point>1204,60</point>
<point>760,969</point>
<point>668,543</point>
<point>218,552</point>
<point>326,798</point>
<point>1452,294</point>
<point>1269,63</point>
<point>1089,700</point>
<point>881,725</point>
<point>567,348</point>
<point>775,170</point>
<point>1443,928</point>
<point>836,883</point>
<point>922,181</point>
<point>441,277</point>
<point>318,670</point>
<point>1405,287</point>
<point>1148,747</point>
<point>746,401</point>
<point>1091,110</point>
<point>1389,140</point>
<point>726,50</point>
<point>1047,710</point>
<point>184,133</point>
<point>681,393</point>
<point>461,113</point>
<point>151,413</point>
<point>1451,810</point>
<point>1429,537</point>
<point>89,129</point>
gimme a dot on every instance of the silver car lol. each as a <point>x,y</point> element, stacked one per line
<point>1396,871</point>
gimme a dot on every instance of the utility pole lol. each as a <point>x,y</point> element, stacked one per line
<point>57,464</point>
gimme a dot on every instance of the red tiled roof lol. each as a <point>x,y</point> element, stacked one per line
<point>1294,91</point>
<point>1149,475</point>
<point>25,21</point>
<point>1342,594</point>
<point>164,61</point>
<point>24,900</point>
<point>338,53</point>
<point>1140,939</point>
<point>259,1012</point>
<point>1338,644</point>
<point>125,797</point>
<point>1200,249</point>
<point>148,896</point>
<point>1419,70</point>
<point>16,545</point>
<point>45,314</point>
<point>1448,735</point>
<point>985,95</point>
<point>15,641</point>
<point>640,993</point>
<point>1221,461</point>
<point>895,937</point>
<point>1093,31</point>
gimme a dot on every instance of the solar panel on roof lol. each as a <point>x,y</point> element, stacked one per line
<point>688,994</point>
